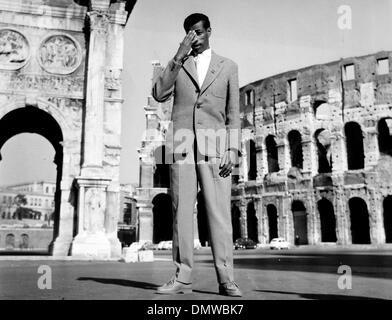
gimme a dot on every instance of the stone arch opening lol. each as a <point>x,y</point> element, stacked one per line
<point>296,154</point>
<point>252,170</point>
<point>10,241</point>
<point>323,143</point>
<point>162,218</point>
<point>387,206</point>
<point>321,109</point>
<point>34,120</point>
<point>202,226</point>
<point>272,154</point>
<point>354,146</point>
<point>252,222</point>
<point>272,214</point>
<point>236,222</point>
<point>327,220</point>
<point>161,172</point>
<point>24,241</point>
<point>300,222</point>
<point>359,217</point>
<point>385,136</point>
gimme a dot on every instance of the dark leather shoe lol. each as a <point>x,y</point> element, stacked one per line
<point>175,287</point>
<point>230,289</point>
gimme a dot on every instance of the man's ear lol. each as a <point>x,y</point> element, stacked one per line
<point>209,31</point>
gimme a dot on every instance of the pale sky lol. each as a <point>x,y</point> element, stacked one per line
<point>264,37</point>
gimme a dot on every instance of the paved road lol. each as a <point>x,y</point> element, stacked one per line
<point>302,273</point>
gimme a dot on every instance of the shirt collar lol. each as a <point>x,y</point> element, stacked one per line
<point>205,54</point>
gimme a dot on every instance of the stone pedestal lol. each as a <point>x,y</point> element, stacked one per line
<point>91,245</point>
<point>91,240</point>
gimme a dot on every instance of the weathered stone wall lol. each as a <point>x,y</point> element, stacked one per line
<point>326,102</point>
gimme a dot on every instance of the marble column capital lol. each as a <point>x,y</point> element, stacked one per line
<point>98,21</point>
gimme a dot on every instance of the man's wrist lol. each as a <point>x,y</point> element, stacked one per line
<point>177,61</point>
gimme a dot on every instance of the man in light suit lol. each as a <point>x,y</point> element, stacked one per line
<point>205,146</point>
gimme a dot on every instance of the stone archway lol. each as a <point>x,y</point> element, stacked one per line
<point>296,152</point>
<point>78,83</point>
<point>34,120</point>
<point>359,217</point>
<point>162,218</point>
<point>272,154</point>
<point>161,172</point>
<point>354,145</point>
<point>272,221</point>
<point>387,204</point>
<point>300,222</point>
<point>327,220</point>
<point>252,222</point>
<point>235,221</point>
<point>10,241</point>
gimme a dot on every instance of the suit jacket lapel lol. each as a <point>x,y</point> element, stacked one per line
<point>190,69</point>
<point>213,71</point>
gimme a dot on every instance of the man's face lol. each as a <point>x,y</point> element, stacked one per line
<point>202,43</point>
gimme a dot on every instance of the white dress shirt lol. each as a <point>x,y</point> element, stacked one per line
<point>202,62</point>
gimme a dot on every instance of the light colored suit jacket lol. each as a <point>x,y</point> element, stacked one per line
<point>210,113</point>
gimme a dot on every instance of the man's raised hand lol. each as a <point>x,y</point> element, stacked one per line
<point>185,46</point>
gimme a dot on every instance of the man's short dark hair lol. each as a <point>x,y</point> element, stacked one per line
<point>195,18</point>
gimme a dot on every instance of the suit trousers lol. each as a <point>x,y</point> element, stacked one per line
<point>185,174</point>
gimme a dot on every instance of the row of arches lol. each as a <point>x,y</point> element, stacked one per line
<point>359,220</point>
<point>10,241</point>
<point>354,146</point>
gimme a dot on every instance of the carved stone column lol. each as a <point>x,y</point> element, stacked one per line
<point>284,160</point>
<point>341,212</point>
<point>245,162</point>
<point>112,120</point>
<point>371,149</point>
<point>243,219</point>
<point>93,130</point>
<point>339,153</point>
<point>262,221</point>
<point>92,240</point>
<point>262,162</point>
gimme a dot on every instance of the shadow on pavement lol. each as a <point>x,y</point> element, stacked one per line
<point>317,296</point>
<point>205,292</point>
<point>122,282</point>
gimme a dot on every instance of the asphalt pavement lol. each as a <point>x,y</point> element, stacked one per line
<point>307,273</point>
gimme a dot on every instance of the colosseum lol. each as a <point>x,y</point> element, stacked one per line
<point>316,165</point>
<point>318,146</point>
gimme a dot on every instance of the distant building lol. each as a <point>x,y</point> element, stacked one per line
<point>39,196</point>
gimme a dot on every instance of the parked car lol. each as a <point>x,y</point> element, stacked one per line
<point>279,243</point>
<point>165,245</point>
<point>244,243</point>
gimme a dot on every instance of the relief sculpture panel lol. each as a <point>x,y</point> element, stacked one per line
<point>14,50</point>
<point>59,54</point>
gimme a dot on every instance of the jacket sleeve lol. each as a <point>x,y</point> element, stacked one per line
<point>233,136</point>
<point>163,84</point>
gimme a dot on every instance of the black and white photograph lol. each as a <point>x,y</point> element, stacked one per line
<point>195,155</point>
